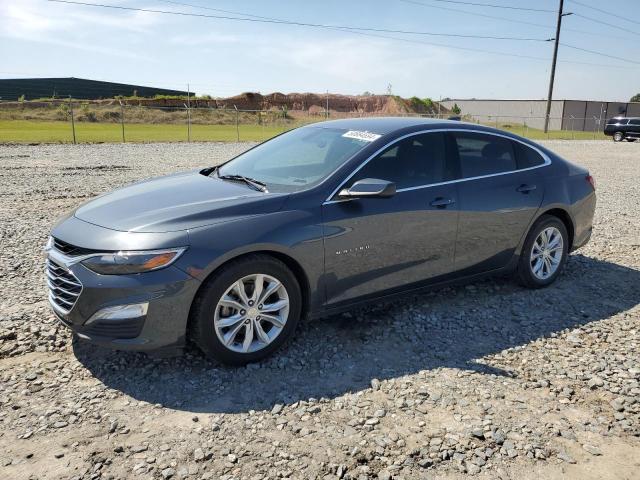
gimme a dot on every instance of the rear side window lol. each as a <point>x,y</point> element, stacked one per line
<point>527,157</point>
<point>412,162</point>
<point>482,154</point>
<point>617,121</point>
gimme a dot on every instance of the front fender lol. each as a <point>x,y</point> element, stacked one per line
<point>296,234</point>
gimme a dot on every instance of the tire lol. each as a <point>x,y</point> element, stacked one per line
<point>207,324</point>
<point>618,136</point>
<point>526,272</point>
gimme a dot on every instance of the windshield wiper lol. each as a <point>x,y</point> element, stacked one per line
<point>253,183</point>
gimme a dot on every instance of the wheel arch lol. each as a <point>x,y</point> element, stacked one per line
<point>291,263</point>
<point>564,216</point>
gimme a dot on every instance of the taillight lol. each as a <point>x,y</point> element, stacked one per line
<point>592,181</point>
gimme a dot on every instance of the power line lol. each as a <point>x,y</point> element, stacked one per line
<point>595,20</point>
<point>476,14</point>
<point>299,24</point>
<point>423,43</point>
<point>621,17</point>
<point>492,5</point>
<point>506,19</point>
<point>593,52</point>
<point>202,7</point>
<point>349,30</point>
<point>491,52</point>
<point>353,30</point>
<point>455,47</point>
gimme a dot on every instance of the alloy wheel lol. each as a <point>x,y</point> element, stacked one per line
<point>546,253</point>
<point>251,313</point>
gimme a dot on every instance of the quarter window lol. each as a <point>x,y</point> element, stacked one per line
<point>527,157</point>
<point>481,154</point>
<point>412,162</point>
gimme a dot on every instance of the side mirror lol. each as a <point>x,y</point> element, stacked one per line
<point>369,188</point>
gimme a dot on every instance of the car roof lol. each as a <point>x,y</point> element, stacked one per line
<point>385,125</point>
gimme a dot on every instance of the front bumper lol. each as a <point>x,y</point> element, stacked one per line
<point>166,295</point>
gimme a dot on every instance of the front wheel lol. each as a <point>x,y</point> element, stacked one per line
<point>618,137</point>
<point>544,253</point>
<point>246,310</point>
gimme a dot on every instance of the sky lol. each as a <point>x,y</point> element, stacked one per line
<point>222,58</point>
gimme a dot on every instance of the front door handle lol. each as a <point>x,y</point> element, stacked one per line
<point>442,202</point>
<point>524,188</point>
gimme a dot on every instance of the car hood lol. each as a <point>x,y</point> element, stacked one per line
<point>177,202</point>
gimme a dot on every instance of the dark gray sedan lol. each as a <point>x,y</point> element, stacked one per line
<point>313,222</point>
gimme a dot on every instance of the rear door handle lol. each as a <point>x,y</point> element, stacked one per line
<point>526,188</point>
<point>441,202</point>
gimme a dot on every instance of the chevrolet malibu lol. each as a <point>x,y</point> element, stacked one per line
<point>315,221</point>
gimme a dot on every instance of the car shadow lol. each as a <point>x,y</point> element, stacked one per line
<point>450,328</point>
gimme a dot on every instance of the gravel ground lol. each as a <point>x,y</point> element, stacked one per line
<point>489,379</point>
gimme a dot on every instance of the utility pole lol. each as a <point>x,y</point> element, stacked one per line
<point>237,123</point>
<point>73,122</point>
<point>188,113</point>
<point>326,109</point>
<point>553,65</point>
<point>122,119</point>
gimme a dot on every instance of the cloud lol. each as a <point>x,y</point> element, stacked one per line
<point>204,39</point>
<point>232,57</point>
<point>363,58</point>
<point>71,26</point>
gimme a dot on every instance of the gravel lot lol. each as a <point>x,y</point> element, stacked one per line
<point>489,379</point>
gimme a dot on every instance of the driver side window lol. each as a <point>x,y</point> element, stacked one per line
<point>415,161</point>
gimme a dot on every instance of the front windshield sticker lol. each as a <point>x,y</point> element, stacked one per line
<point>364,136</point>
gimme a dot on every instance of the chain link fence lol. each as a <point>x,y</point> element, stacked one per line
<point>76,121</point>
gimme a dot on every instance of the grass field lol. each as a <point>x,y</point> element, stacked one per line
<point>25,131</point>
<point>28,131</point>
<point>536,134</point>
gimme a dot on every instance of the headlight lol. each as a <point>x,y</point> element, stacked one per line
<point>122,263</point>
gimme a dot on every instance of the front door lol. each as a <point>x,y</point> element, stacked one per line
<point>374,245</point>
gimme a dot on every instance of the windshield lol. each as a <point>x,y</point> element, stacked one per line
<point>298,159</point>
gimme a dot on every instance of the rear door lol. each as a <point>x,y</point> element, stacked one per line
<point>378,244</point>
<point>499,192</point>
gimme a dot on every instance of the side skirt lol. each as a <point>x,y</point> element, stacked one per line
<point>420,288</point>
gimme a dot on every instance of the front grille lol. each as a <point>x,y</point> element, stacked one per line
<point>64,287</point>
<point>70,250</point>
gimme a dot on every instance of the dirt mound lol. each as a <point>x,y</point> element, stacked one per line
<point>389,104</point>
<point>313,103</point>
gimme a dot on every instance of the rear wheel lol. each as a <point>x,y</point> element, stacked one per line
<point>247,310</point>
<point>544,253</point>
<point>618,136</point>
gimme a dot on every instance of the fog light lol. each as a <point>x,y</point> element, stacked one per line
<point>120,312</point>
